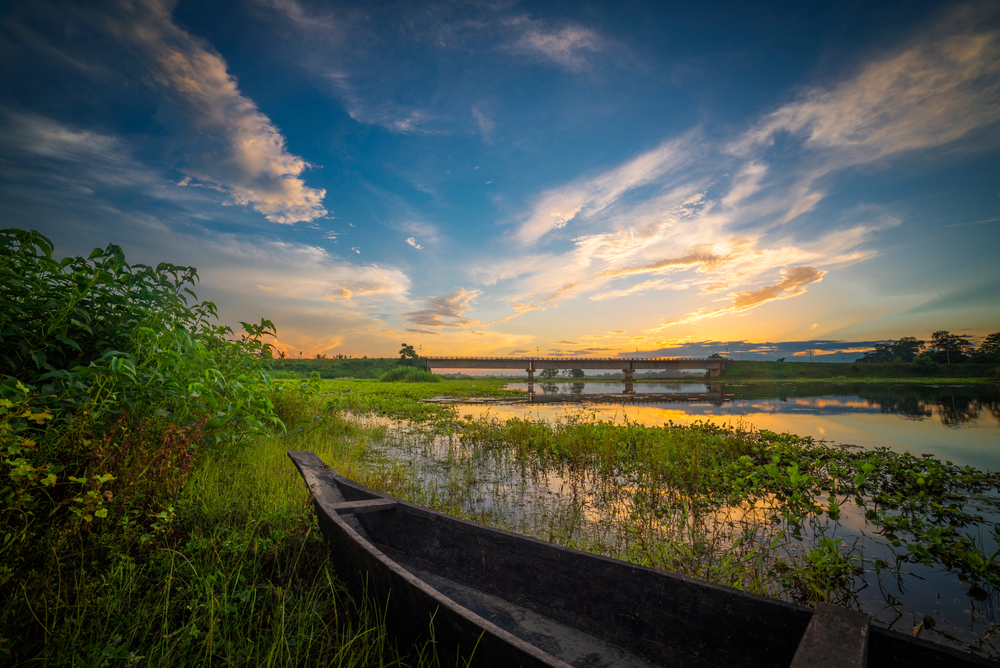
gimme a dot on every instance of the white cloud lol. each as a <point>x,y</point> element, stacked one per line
<point>446,311</point>
<point>230,143</point>
<point>590,196</point>
<point>926,95</point>
<point>566,46</point>
<point>413,242</point>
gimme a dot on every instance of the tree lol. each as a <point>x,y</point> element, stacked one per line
<point>549,373</point>
<point>907,348</point>
<point>881,355</point>
<point>577,373</point>
<point>945,341</point>
<point>407,352</point>
<point>903,350</point>
<point>989,349</point>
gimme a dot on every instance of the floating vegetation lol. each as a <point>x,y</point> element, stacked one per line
<point>897,535</point>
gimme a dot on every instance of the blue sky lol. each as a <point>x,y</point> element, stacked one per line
<point>505,178</point>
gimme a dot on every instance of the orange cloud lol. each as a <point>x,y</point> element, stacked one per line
<point>794,284</point>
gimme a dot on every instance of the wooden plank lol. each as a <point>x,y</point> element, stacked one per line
<point>364,506</point>
<point>835,638</point>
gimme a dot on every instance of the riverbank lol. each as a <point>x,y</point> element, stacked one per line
<point>375,367</point>
<point>836,371</point>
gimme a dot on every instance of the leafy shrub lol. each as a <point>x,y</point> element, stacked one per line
<point>405,374</point>
<point>923,363</point>
<point>111,382</point>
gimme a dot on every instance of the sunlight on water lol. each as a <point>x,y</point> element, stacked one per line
<point>967,437</point>
<point>605,514</point>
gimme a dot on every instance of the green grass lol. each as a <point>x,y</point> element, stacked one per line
<point>402,374</point>
<point>238,575</point>
<point>233,571</point>
<point>405,400</point>
<point>353,367</point>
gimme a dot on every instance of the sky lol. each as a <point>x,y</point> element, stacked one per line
<point>525,178</point>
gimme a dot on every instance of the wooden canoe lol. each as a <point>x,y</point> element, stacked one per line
<point>493,598</point>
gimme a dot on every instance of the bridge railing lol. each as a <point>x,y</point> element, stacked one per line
<point>580,359</point>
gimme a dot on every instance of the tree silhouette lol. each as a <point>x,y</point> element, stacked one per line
<point>949,343</point>
<point>990,347</point>
<point>407,352</point>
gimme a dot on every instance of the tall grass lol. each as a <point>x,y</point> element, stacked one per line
<point>239,576</point>
<point>404,374</point>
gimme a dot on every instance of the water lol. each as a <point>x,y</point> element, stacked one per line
<point>952,422</point>
<point>957,423</point>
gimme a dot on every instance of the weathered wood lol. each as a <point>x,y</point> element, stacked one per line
<point>835,638</point>
<point>364,506</point>
<point>510,600</point>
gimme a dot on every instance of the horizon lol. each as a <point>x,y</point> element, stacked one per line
<point>525,178</point>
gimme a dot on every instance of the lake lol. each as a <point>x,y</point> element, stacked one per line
<point>957,423</point>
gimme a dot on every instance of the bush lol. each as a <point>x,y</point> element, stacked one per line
<point>923,364</point>
<point>405,374</point>
<point>111,383</point>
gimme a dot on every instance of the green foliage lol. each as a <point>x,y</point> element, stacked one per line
<point>924,364</point>
<point>903,350</point>
<point>332,369</point>
<point>953,347</point>
<point>407,352</point>
<point>406,374</point>
<point>113,380</point>
<point>806,371</point>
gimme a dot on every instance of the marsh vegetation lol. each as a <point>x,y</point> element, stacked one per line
<point>150,516</point>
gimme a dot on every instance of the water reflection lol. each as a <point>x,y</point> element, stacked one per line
<point>954,405</point>
<point>960,423</point>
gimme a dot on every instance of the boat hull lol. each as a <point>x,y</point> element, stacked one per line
<point>502,599</point>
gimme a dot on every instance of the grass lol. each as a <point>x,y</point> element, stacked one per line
<point>236,573</point>
<point>239,576</point>
<point>751,509</point>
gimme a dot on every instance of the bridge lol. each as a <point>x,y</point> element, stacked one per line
<point>629,365</point>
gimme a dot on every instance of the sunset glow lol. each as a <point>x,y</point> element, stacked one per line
<point>518,179</point>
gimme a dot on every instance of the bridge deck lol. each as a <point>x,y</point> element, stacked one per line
<point>539,363</point>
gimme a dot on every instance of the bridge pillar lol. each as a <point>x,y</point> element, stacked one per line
<point>531,372</point>
<point>629,378</point>
<point>714,373</point>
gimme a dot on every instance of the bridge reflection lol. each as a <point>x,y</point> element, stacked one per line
<point>576,394</point>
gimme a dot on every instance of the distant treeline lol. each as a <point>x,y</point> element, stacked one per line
<point>943,348</point>
<point>850,370</point>
<point>352,367</point>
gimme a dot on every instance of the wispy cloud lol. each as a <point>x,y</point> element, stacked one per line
<point>929,94</point>
<point>794,284</point>
<point>413,242</point>
<point>227,141</point>
<point>445,311</point>
<point>673,219</point>
<point>590,196</point>
<point>567,46</point>
<point>86,157</point>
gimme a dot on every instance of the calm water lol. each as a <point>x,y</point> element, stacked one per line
<point>953,422</point>
<point>958,423</point>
